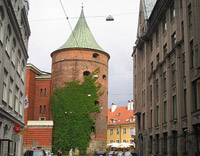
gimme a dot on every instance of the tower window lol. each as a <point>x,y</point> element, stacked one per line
<point>40,92</point>
<point>86,73</point>
<point>104,77</point>
<point>96,103</point>
<point>95,55</point>
<point>45,92</point>
<point>40,109</point>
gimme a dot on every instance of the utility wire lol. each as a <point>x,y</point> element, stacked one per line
<point>73,33</point>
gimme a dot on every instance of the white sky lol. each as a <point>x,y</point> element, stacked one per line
<point>50,30</point>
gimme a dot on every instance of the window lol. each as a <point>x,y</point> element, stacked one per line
<point>157,144</point>
<point>41,92</point>
<point>8,36</point>
<point>143,117</point>
<point>104,77</point>
<point>181,3</point>
<point>124,141</point>
<point>18,62</point>
<point>11,92</point>
<point>165,143</point>
<point>165,112</point>
<point>96,103</point>
<point>165,50</point>
<point>192,53</point>
<point>151,145</point>
<point>157,58</point>
<point>86,73</point>
<point>124,130</point>
<point>157,87</point>
<point>117,131</point>
<point>139,121</point>
<point>132,119</point>
<point>40,109</point>
<point>190,16</point>
<point>13,58</point>
<point>1,23</point>
<point>151,118</point>
<point>173,39</point>
<point>45,92</point>
<point>174,108</point>
<point>185,136</point>
<point>174,142</point>
<point>157,115</point>
<point>111,131</point>
<point>42,118</point>
<point>5,86</point>
<point>196,87</point>
<point>185,103</point>
<point>172,12</point>
<point>117,141</point>
<point>21,103</point>
<point>151,66</point>
<point>173,74</point>
<point>157,36</point>
<point>151,94</point>
<point>151,45</point>
<point>95,55</point>
<point>23,71</point>
<point>44,109</point>
<point>111,141</point>
<point>164,25</point>
<point>16,103</point>
<point>131,131</point>
<point>164,82</point>
<point>184,69</point>
<point>182,29</point>
<point>112,121</point>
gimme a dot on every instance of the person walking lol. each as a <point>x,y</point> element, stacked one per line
<point>59,152</point>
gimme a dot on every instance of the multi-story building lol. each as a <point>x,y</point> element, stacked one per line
<point>121,124</point>
<point>166,65</point>
<point>14,35</point>
<point>78,57</point>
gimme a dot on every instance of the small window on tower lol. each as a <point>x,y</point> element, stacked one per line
<point>86,73</point>
<point>95,55</point>
<point>93,129</point>
<point>96,103</point>
<point>104,77</point>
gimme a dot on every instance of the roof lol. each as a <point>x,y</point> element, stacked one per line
<point>121,116</point>
<point>148,6</point>
<point>81,37</point>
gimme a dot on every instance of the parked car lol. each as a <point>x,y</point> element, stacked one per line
<point>100,153</point>
<point>120,153</point>
<point>35,153</point>
<point>48,153</point>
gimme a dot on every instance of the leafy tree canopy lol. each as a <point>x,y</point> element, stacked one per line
<point>72,107</point>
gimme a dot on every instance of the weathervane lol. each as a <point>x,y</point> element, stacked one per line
<point>82,5</point>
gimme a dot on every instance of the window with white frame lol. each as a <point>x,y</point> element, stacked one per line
<point>124,141</point>
<point>11,92</point>
<point>111,131</point>
<point>132,119</point>
<point>117,131</point>
<point>18,62</point>
<point>13,53</point>
<point>20,103</point>
<point>23,71</point>
<point>5,86</point>
<point>8,40</point>
<point>1,23</point>
<point>16,103</point>
<point>124,130</point>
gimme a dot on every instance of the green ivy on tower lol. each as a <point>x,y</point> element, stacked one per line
<point>73,107</point>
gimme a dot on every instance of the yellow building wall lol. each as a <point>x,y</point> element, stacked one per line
<point>121,136</point>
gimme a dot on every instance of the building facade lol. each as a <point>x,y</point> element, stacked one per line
<point>37,117</point>
<point>166,65</point>
<point>14,35</point>
<point>121,124</point>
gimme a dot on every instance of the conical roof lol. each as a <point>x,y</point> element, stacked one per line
<point>81,37</point>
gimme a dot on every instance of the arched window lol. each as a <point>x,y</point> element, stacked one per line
<point>8,42</point>
<point>44,109</point>
<point>40,109</point>
<point>1,23</point>
<point>96,103</point>
<point>93,129</point>
<point>45,92</point>
<point>86,73</point>
<point>41,92</point>
<point>95,55</point>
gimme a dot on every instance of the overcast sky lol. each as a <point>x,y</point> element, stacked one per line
<point>50,30</point>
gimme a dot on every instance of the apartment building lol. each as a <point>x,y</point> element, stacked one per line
<point>166,66</point>
<point>14,35</point>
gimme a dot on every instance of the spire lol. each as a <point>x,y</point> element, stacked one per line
<point>81,37</point>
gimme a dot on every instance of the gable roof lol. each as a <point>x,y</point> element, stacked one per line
<point>121,116</point>
<point>148,6</point>
<point>81,37</point>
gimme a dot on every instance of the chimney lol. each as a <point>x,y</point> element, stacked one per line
<point>114,106</point>
<point>130,104</point>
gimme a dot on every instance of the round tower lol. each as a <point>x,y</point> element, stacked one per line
<point>79,57</point>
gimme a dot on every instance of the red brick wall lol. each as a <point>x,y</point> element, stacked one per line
<point>42,135</point>
<point>69,65</point>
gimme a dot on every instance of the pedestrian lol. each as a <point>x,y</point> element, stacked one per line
<point>59,152</point>
<point>70,152</point>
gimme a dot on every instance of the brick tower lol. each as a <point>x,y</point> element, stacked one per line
<point>77,58</point>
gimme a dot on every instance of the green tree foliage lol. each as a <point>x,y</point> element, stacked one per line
<point>72,109</point>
